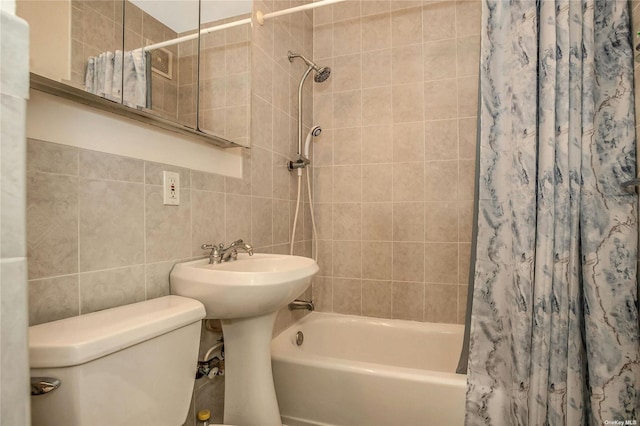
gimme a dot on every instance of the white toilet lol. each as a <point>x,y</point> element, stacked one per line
<point>130,365</point>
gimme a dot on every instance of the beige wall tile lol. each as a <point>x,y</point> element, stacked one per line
<point>323,293</point>
<point>377,144</point>
<point>168,228</point>
<point>407,64</point>
<point>441,222</point>
<point>347,223</point>
<point>408,181</point>
<point>440,99</point>
<point>376,32</point>
<point>468,96</point>
<point>441,140</point>
<point>463,263</point>
<point>408,221</point>
<point>323,184</point>
<point>376,68</point>
<point>376,260</point>
<point>441,181</point>
<point>203,181</point>
<point>441,262</point>
<point>347,184</point>
<point>408,301</point>
<point>377,221</point>
<point>157,279</point>
<point>52,225</point>
<point>325,257</point>
<point>322,148</point>
<point>111,224</point>
<point>439,20</point>
<point>408,103</point>
<point>466,180</point>
<point>371,7</point>
<point>465,221</point>
<point>53,299</point>
<point>110,288</point>
<point>324,220</point>
<point>467,128</point>
<point>408,262</point>
<point>347,296</point>
<point>347,147</point>
<point>468,17</point>
<point>462,303</point>
<point>376,106</point>
<point>347,10</point>
<point>348,35</point>
<point>376,298</point>
<point>408,142</point>
<point>377,182</point>
<point>347,72</point>
<point>347,257</point>
<point>282,177</point>
<point>208,216</point>
<point>441,303</point>
<point>406,27</point>
<point>468,55</point>
<point>262,172</point>
<point>323,41</point>
<point>238,218</point>
<point>51,157</point>
<point>440,59</point>
<point>347,109</point>
<point>281,216</point>
<point>261,222</point>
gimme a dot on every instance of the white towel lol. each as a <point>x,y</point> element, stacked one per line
<point>104,77</point>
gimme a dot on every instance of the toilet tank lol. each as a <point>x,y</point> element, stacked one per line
<point>130,365</point>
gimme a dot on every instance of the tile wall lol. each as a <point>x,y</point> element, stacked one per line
<point>394,167</point>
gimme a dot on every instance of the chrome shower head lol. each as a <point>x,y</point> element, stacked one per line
<point>321,73</point>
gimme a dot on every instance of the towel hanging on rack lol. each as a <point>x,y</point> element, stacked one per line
<point>106,71</point>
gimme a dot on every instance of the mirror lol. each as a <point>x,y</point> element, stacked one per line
<point>224,89</point>
<point>80,43</point>
<point>162,37</point>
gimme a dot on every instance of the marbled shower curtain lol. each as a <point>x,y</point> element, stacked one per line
<point>554,330</point>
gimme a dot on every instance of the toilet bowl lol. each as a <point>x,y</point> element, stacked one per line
<point>130,365</point>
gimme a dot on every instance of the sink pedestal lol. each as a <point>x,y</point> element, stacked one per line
<point>249,392</point>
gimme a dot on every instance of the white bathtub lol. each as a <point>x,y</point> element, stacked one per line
<point>358,371</point>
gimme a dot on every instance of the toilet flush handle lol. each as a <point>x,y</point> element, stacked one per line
<point>43,385</point>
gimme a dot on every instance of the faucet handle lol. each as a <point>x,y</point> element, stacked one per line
<point>208,246</point>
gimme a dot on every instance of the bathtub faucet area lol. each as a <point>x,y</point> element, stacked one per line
<point>301,304</point>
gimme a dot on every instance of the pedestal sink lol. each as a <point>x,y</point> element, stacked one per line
<point>246,294</point>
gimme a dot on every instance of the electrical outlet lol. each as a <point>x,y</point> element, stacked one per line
<point>171,188</point>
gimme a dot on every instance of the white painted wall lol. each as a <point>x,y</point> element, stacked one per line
<point>54,119</point>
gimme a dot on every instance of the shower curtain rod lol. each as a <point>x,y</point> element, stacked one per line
<point>194,36</point>
<point>261,17</point>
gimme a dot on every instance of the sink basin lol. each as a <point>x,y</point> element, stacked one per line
<point>247,287</point>
<point>246,294</point>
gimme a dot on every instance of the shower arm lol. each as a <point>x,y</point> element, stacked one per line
<point>304,77</point>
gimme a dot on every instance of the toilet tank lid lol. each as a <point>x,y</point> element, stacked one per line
<point>76,340</point>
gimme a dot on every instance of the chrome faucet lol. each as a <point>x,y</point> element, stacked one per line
<point>221,254</point>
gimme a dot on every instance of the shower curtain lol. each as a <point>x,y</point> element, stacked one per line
<point>554,325</point>
<point>105,73</point>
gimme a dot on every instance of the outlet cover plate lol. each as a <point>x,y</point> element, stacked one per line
<point>171,185</point>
